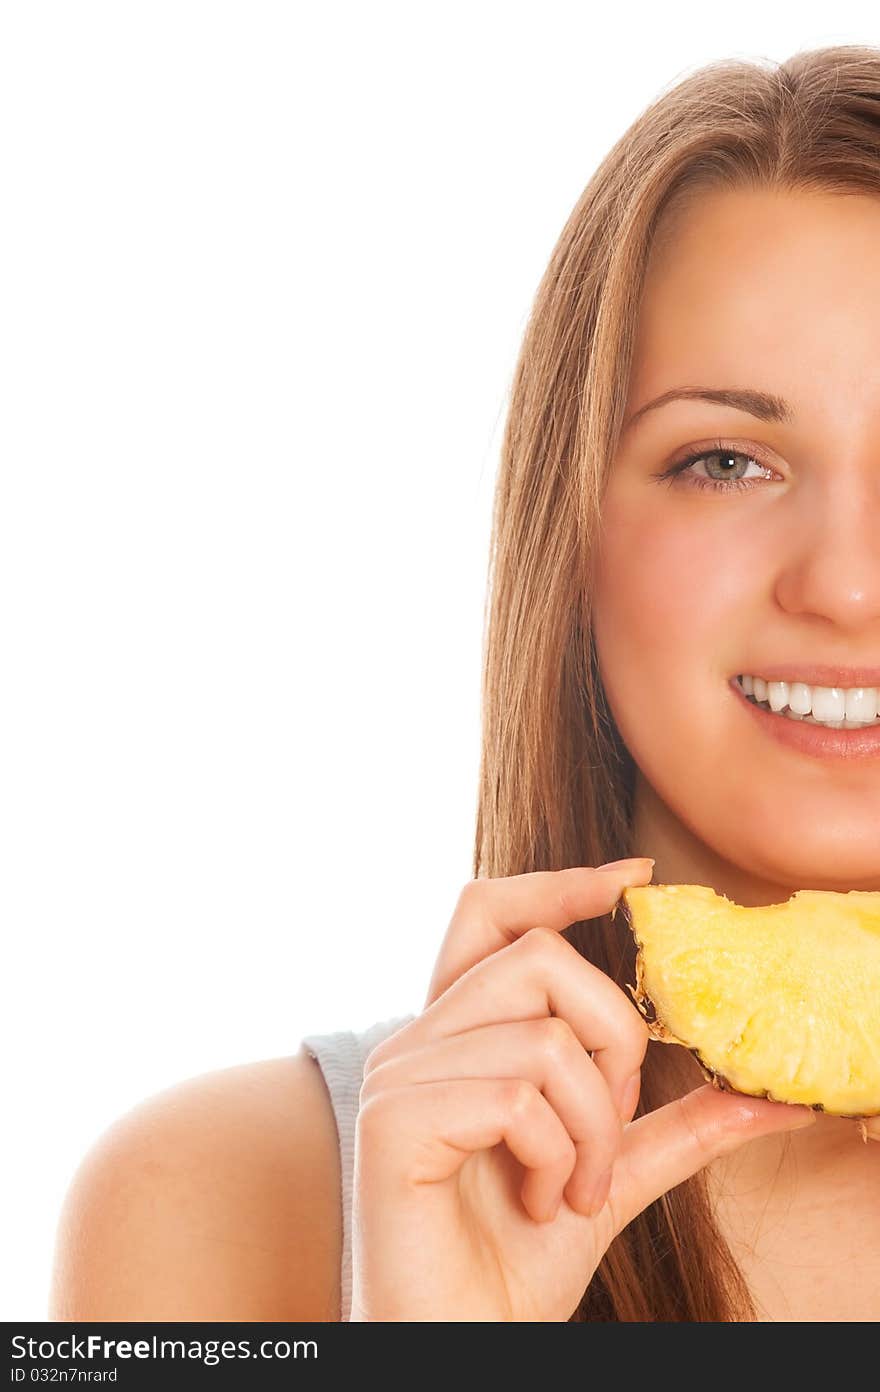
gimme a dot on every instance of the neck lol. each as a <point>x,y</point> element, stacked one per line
<point>681,858</point>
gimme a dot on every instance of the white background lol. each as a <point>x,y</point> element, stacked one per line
<point>265,269</point>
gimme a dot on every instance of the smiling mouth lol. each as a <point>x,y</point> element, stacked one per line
<point>788,714</point>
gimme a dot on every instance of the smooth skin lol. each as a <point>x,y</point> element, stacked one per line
<point>535,1047</point>
<point>216,1199</point>
<point>780,293</point>
<point>220,1199</point>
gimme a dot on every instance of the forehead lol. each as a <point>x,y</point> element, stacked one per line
<point>740,281</point>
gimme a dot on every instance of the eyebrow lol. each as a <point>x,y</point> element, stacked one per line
<point>757,403</point>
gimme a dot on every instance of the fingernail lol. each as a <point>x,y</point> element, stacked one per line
<point>637,863</point>
<point>600,1193</point>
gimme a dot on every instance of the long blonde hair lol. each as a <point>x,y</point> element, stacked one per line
<point>556,781</point>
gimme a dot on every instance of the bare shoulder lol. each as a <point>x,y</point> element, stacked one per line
<point>216,1199</point>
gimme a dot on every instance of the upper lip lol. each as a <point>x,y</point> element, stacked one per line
<point>823,674</point>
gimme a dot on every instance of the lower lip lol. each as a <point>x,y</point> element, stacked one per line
<point>822,743</point>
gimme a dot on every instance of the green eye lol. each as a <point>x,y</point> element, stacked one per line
<point>722,455</point>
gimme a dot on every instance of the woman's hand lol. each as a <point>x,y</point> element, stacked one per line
<point>495,1158</point>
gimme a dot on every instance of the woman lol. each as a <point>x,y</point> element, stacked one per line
<point>688,494</point>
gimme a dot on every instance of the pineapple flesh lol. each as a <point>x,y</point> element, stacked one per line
<point>781,1001</point>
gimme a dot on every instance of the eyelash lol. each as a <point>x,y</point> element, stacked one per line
<point>670,475</point>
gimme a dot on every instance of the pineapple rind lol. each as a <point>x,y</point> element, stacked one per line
<point>813,1037</point>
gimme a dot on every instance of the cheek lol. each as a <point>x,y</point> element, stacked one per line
<point>666,582</point>
<point>669,618</point>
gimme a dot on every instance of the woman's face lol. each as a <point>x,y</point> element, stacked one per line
<point>780,294</point>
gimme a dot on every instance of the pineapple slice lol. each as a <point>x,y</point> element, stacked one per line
<point>781,1001</point>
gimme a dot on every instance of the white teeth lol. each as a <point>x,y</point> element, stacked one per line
<point>831,724</point>
<point>829,703</point>
<point>799,698</point>
<point>832,706</point>
<point>861,703</point>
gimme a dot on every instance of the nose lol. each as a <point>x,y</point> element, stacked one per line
<point>829,563</point>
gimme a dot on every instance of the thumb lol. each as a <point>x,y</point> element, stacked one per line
<point>669,1145</point>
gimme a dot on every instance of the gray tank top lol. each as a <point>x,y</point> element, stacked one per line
<point>341,1057</point>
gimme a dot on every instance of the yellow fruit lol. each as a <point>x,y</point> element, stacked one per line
<point>781,1001</point>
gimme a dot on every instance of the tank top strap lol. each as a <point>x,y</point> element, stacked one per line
<point>341,1055</point>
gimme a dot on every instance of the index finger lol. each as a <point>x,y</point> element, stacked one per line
<point>492,913</point>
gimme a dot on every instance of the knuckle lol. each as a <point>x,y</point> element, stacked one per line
<point>538,943</point>
<point>565,899</point>
<point>386,1049</point>
<point>639,1033</point>
<point>519,1097</point>
<point>689,1113</point>
<point>375,1057</point>
<point>369,1088</point>
<point>557,1038</point>
<point>371,1117</point>
<point>380,1114</point>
